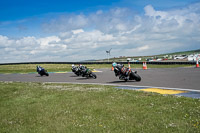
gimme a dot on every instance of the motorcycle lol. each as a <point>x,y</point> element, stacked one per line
<point>125,73</point>
<point>42,71</point>
<point>83,71</point>
<point>88,73</point>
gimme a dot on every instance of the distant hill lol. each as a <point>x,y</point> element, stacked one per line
<point>124,58</point>
<point>184,52</point>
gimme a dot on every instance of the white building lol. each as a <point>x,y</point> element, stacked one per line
<point>193,57</point>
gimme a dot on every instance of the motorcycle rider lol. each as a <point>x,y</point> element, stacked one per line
<point>73,67</point>
<point>39,69</point>
<point>124,71</point>
<point>83,70</point>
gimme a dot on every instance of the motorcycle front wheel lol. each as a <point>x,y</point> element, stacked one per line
<point>47,74</point>
<point>94,76</point>
<point>136,76</point>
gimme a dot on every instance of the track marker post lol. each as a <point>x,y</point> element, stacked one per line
<point>197,62</point>
<point>129,65</point>
<point>144,66</point>
<point>112,69</point>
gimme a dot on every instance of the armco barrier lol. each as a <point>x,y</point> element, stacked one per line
<point>156,63</point>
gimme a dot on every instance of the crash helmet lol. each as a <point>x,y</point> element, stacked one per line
<point>114,64</point>
<point>72,65</point>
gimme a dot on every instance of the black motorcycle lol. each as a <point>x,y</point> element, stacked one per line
<point>42,71</point>
<point>88,73</point>
<point>83,71</point>
<point>126,73</point>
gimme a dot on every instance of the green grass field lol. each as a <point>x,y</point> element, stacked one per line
<point>28,68</point>
<point>44,108</point>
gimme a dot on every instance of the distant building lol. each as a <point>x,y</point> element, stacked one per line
<point>194,57</point>
<point>128,59</point>
<point>180,57</point>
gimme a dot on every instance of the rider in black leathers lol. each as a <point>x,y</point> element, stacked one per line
<point>83,70</point>
<point>122,71</point>
<point>41,71</point>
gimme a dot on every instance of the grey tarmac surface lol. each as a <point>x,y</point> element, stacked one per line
<point>185,78</point>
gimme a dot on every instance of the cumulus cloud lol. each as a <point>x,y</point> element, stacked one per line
<point>81,37</point>
<point>65,23</point>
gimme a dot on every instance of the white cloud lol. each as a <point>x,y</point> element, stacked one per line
<point>82,37</point>
<point>77,31</point>
<point>65,23</point>
<point>146,47</point>
<point>48,41</point>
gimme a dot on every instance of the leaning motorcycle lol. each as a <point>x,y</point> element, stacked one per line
<point>42,71</point>
<point>127,74</point>
<point>88,73</point>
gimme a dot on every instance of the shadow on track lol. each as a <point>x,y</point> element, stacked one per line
<point>120,81</point>
<point>82,78</point>
<point>40,76</point>
<point>74,76</point>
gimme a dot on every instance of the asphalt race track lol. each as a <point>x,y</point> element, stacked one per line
<point>185,78</point>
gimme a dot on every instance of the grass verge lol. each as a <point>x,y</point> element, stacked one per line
<point>44,107</point>
<point>28,68</point>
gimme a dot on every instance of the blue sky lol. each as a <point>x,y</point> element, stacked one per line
<point>63,30</point>
<point>20,9</point>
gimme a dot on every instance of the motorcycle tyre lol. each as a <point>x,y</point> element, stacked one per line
<point>77,74</point>
<point>94,76</point>
<point>47,74</point>
<point>41,73</point>
<point>136,76</point>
